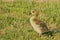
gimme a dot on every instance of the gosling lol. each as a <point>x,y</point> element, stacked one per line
<point>38,25</point>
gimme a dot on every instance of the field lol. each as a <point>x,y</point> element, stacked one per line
<point>14,19</point>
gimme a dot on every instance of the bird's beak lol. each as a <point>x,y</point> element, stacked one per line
<point>30,13</point>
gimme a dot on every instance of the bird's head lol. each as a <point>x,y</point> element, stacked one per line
<point>34,12</point>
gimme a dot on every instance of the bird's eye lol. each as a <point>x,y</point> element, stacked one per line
<point>33,11</point>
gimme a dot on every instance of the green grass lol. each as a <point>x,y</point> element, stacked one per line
<point>14,19</point>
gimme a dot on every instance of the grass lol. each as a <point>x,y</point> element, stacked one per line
<point>14,19</point>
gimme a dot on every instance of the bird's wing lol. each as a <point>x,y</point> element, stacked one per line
<point>41,24</point>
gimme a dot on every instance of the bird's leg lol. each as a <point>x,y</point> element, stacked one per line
<point>41,35</point>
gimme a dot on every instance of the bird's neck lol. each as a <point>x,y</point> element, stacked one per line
<point>34,17</point>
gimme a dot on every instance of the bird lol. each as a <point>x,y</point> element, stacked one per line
<point>38,25</point>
